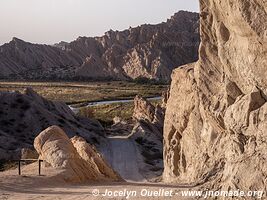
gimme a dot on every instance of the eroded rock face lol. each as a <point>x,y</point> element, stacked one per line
<point>74,157</point>
<point>148,116</point>
<point>147,51</point>
<point>90,154</point>
<point>24,115</point>
<point>215,119</point>
<point>143,110</point>
<point>148,135</point>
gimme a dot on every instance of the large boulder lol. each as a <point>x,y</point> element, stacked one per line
<point>56,149</point>
<point>215,124</point>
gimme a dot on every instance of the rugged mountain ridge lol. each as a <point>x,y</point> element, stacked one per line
<point>147,51</point>
<point>215,124</point>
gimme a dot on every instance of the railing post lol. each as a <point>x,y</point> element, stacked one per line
<point>39,167</point>
<point>19,168</point>
<point>25,160</point>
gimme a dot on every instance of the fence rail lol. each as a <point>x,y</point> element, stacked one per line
<point>25,160</point>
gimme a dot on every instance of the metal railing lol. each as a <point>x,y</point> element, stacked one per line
<point>26,160</point>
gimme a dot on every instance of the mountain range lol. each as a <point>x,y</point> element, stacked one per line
<point>147,51</point>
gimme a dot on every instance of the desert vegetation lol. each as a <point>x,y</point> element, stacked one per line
<point>6,165</point>
<point>106,113</point>
<point>80,92</point>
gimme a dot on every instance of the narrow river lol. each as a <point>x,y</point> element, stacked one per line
<point>97,103</point>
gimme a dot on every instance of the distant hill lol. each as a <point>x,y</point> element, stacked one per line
<point>147,51</point>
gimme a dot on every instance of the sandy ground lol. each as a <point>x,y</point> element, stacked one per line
<point>89,191</point>
<point>50,186</point>
<point>122,155</point>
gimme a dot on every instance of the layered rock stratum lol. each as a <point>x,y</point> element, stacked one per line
<point>146,51</point>
<point>215,124</point>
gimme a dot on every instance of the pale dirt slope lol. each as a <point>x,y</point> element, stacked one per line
<point>123,154</point>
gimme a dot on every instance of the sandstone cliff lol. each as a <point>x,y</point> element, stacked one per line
<point>147,51</point>
<point>215,125</point>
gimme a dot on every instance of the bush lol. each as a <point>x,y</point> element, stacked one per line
<point>6,165</point>
<point>143,80</point>
<point>86,112</point>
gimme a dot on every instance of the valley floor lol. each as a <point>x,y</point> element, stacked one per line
<point>81,92</point>
<point>85,192</point>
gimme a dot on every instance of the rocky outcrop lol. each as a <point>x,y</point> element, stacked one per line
<point>24,116</point>
<point>143,110</point>
<point>149,116</point>
<point>215,124</point>
<point>91,155</point>
<point>148,134</point>
<point>79,162</point>
<point>147,51</point>
<point>139,139</point>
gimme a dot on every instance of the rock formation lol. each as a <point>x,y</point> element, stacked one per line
<point>91,155</point>
<point>23,116</point>
<point>149,116</point>
<point>147,51</point>
<point>75,157</point>
<point>139,139</point>
<point>143,110</point>
<point>148,134</point>
<point>215,124</point>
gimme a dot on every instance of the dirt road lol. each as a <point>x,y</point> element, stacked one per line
<point>122,155</point>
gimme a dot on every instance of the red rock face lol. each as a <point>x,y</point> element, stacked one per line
<point>148,51</point>
<point>215,124</point>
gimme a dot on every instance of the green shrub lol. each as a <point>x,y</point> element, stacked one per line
<point>86,112</point>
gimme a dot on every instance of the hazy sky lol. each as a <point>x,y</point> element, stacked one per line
<point>51,21</point>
